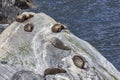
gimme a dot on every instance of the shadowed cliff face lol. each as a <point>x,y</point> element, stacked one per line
<point>38,47</point>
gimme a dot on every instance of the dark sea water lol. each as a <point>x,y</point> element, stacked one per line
<point>96,21</point>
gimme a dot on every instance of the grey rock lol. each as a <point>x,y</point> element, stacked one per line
<point>26,75</point>
<point>8,14</point>
<point>2,27</point>
<point>24,4</point>
<point>7,3</point>
<point>34,53</point>
<point>10,9</point>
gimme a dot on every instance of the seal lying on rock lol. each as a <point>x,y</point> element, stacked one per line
<point>57,28</point>
<point>28,27</point>
<point>24,17</point>
<point>78,61</point>
<point>52,71</point>
<point>58,44</point>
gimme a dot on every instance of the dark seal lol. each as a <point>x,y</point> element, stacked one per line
<point>78,61</point>
<point>59,44</point>
<point>53,71</point>
<point>29,27</point>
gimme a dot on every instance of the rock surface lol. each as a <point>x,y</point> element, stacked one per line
<point>3,27</point>
<point>26,55</point>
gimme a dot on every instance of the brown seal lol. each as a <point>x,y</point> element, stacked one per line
<point>21,18</point>
<point>24,17</point>
<point>57,28</point>
<point>29,27</point>
<point>28,16</point>
<point>78,61</point>
<point>58,44</point>
<point>53,71</point>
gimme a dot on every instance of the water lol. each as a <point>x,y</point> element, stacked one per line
<point>96,21</point>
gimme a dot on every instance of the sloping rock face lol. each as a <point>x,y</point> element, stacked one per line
<point>35,48</point>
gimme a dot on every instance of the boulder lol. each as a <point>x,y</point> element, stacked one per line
<point>12,8</point>
<point>35,50</point>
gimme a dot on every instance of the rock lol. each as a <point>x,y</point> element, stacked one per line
<point>33,51</point>
<point>8,14</point>
<point>7,3</point>
<point>3,26</point>
<point>24,4</point>
<point>12,8</point>
<point>26,75</point>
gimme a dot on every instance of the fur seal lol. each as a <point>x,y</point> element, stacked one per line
<point>24,17</point>
<point>78,61</point>
<point>28,27</point>
<point>57,28</point>
<point>53,71</point>
<point>58,44</point>
<point>21,18</point>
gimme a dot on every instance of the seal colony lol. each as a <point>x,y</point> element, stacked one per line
<point>51,51</point>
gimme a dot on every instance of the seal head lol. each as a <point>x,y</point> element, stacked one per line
<point>57,28</point>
